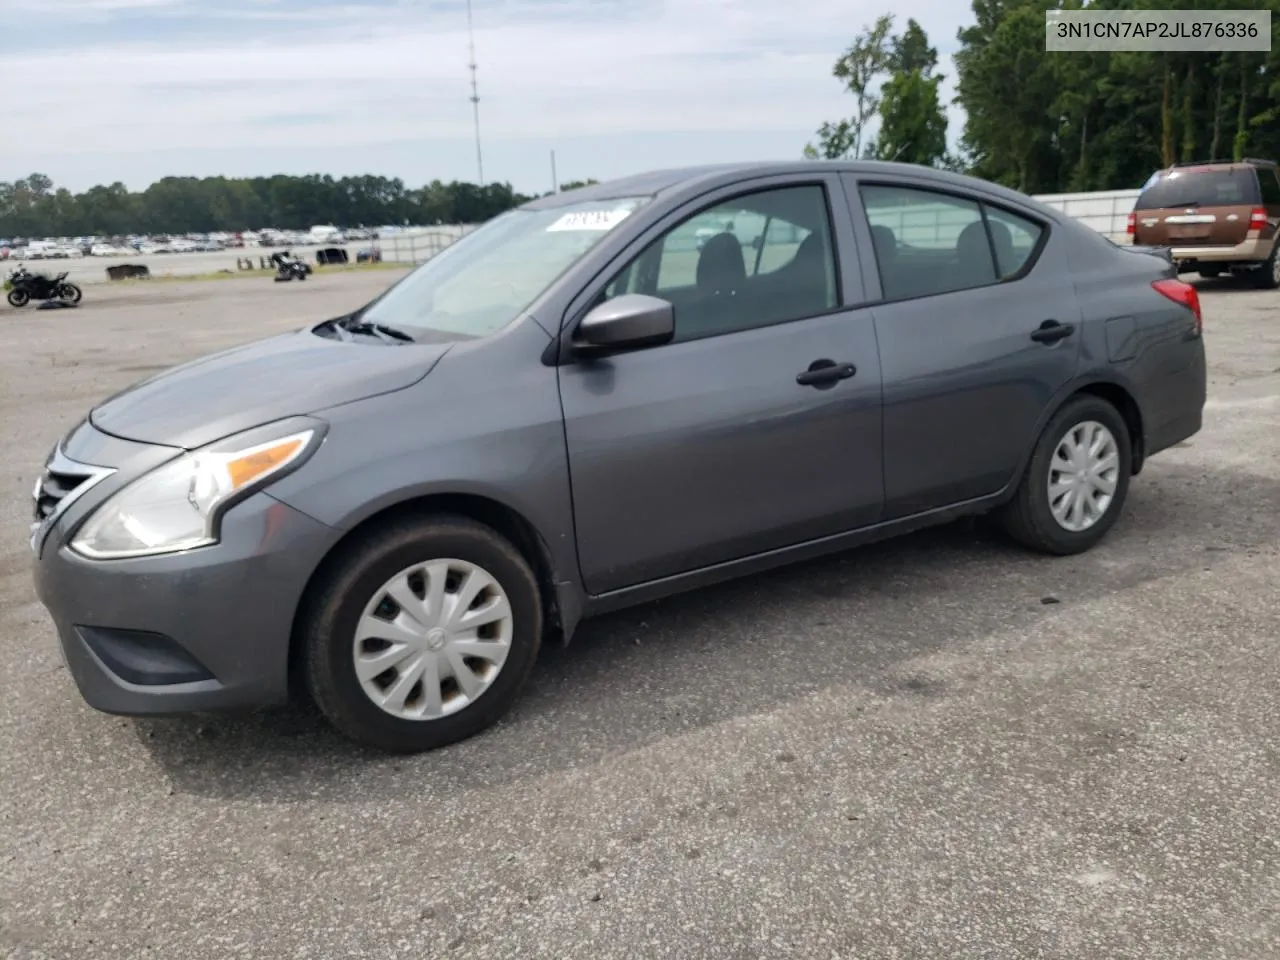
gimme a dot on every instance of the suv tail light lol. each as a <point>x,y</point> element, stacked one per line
<point>1184,294</point>
<point>1257,218</point>
<point>1131,226</point>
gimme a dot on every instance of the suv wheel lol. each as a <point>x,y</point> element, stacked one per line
<point>1076,482</point>
<point>1268,275</point>
<point>423,634</point>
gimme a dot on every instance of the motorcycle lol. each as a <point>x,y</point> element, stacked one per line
<point>25,286</point>
<point>289,267</point>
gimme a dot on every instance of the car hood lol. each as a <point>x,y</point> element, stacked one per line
<point>244,387</point>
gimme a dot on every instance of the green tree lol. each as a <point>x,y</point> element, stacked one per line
<point>913,126</point>
<point>860,69</point>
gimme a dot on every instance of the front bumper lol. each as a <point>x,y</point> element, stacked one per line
<point>207,629</point>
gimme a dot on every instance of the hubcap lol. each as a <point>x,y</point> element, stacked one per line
<point>432,639</point>
<point>1083,474</point>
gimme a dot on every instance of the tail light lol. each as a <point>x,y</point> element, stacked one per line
<point>1184,294</point>
<point>1131,226</point>
<point>1257,218</point>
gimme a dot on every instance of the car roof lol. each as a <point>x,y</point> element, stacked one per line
<point>1206,166</point>
<point>693,179</point>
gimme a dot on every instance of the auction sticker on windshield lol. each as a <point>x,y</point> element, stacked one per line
<point>590,220</point>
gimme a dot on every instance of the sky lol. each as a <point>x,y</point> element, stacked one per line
<point>134,90</point>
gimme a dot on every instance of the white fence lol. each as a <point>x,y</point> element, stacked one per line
<point>418,244</point>
<point>1105,211</point>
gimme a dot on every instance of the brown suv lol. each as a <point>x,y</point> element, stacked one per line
<point>1214,216</point>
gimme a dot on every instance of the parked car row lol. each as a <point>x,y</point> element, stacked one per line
<point>55,248</point>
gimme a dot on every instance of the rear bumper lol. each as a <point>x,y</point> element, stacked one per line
<point>1256,250</point>
<point>1183,397</point>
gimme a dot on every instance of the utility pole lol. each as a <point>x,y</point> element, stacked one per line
<point>555,181</point>
<point>475,95</point>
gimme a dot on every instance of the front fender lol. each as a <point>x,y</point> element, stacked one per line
<point>486,423</point>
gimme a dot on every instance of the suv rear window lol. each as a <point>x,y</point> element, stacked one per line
<point>1204,188</point>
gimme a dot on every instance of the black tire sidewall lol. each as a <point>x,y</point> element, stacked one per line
<point>1052,535</point>
<point>18,298</point>
<point>1266,277</point>
<point>331,675</point>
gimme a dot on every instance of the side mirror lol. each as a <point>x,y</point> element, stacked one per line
<point>628,322</point>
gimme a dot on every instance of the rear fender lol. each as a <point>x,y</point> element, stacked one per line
<point>1083,385</point>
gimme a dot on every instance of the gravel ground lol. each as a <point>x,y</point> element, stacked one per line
<point>937,747</point>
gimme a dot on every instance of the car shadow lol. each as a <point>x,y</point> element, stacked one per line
<point>644,675</point>
<point>1223,283</point>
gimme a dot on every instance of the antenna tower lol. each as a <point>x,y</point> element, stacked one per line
<point>475,95</point>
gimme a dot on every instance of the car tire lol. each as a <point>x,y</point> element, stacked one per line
<point>1210,273</point>
<point>1267,277</point>
<point>340,609</point>
<point>1029,518</point>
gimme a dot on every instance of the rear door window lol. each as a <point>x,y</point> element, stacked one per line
<point>1200,188</point>
<point>928,242</point>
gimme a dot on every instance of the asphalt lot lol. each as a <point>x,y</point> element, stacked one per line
<point>938,747</point>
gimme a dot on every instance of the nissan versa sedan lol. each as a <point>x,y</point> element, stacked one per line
<point>597,399</point>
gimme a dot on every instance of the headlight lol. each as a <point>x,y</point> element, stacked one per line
<point>177,506</point>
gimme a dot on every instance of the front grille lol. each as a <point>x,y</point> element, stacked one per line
<point>61,483</point>
<point>53,486</point>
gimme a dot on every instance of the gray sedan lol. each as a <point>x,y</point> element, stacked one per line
<point>597,399</point>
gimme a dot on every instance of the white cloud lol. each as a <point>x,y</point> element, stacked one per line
<point>352,75</point>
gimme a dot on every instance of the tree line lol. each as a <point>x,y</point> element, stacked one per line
<point>1055,122</point>
<point>32,207</point>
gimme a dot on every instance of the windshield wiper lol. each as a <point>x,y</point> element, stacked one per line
<point>383,332</point>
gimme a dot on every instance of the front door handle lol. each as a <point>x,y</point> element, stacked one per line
<point>824,372</point>
<point>1051,331</point>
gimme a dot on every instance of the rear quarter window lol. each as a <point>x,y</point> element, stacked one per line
<point>1203,188</point>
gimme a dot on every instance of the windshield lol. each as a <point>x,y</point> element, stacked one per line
<point>1204,188</point>
<point>484,281</point>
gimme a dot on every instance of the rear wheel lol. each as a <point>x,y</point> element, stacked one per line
<point>1076,483</point>
<point>423,635</point>
<point>1268,275</point>
<point>69,293</point>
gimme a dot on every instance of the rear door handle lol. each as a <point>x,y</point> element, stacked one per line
<point>1051,331</point>
<point>825,373</point>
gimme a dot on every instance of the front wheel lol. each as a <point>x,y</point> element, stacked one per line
<point>1076,482</point>
<point>69,293</point>
<point>423,634</point>
<point>18,298</point>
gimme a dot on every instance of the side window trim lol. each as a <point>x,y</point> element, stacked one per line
<point>560,352</point>
<point>862,224</point>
